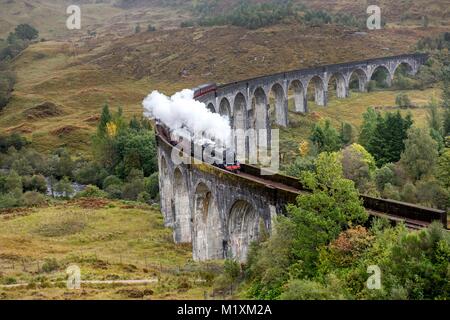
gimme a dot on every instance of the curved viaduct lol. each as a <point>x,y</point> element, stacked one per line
<point>220,212</point>
<point>254,102</point>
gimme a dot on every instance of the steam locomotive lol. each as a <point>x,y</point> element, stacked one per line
<point>207,150</point>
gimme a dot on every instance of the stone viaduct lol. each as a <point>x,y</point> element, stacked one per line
<point>252,103</point>
<point>220,212</point>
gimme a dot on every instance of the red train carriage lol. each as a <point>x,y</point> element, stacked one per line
<point>204,89</point>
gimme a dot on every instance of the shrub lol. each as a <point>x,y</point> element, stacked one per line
<point>50,265</point>
<point>64,188</point>
<point>143,197</point>
<point>90,173</point>
<point>110,181</point>
<point>33,199</point>
<point>114,191</point>
<point>92,192</point>
<point>299,289</point>
<point>402,100</point>
<point>9,200</point>
<point>9,281</point>
<point>132,190</point>
<point>152,185</point>
<point>35,183</point>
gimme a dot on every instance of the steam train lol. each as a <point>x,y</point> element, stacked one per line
<point>207,150</point>
<point>204,89</point>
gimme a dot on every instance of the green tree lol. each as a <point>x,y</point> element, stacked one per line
<point>446,123</point>
<point>26,32</point>
<point>325,137</point>
<point>443,169</point>
<point>358,165</point>
<point>315,220</point>
<point>64,188</point>
<point>319,217</point>
<point>370,120</point>
<point>383,176</point>
<point>434,117</point>
<point>346,134</point>
<point>13,182</point>
<point>387,142</point>
<point>402,100</point>
<point>152,185</point>
<point>301,164</point>
<point>420,154</point>
<point>446,87</point>
<point>105,118</point>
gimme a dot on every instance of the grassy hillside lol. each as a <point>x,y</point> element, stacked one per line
<point>107,240</point>
<point>49,16</point>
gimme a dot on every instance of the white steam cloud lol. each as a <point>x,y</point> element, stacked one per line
<point>182,112</point>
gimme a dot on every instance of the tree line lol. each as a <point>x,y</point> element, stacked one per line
<point>123,166</point>
<point>257,15</point>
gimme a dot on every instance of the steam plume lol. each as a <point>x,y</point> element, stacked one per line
<point>181,112</point>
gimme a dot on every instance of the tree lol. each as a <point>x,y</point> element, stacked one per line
<point>152,185</point>
<point>446,87</point>
<point>384,176</point>
<point>387,142</point>
<point>420,154</point>
<point>105,118</point>
<point>64,188</point>
<point>402,100</point>
<point>346,134</point>
<point>26,32</point>
<point>358,165</point>
<point>370,118</point>
<point>325,137</point>
<point>13,182</point>
<point>319,217</point>
<point>137,29</point>
<point>434,118</point>
<point>446,123</point>
<point>301,164</point>
<point>443,169</point>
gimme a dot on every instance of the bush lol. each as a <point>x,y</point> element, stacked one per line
<point>33,199</point>
<point>132,190</point>
<point>10,200</point>
<point>90,173</point>
<point>35,183</point>
<point>299,289</point>
<point>187,24</point>
<point>110,181</point>
<point>402,100</point>
<point>26,32</point>
<point>114,191</point>
<point>64,188</point>
<point>143,197</point>
<point>50,265</point>
<point>152,185</point>
<point>92,192</point>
